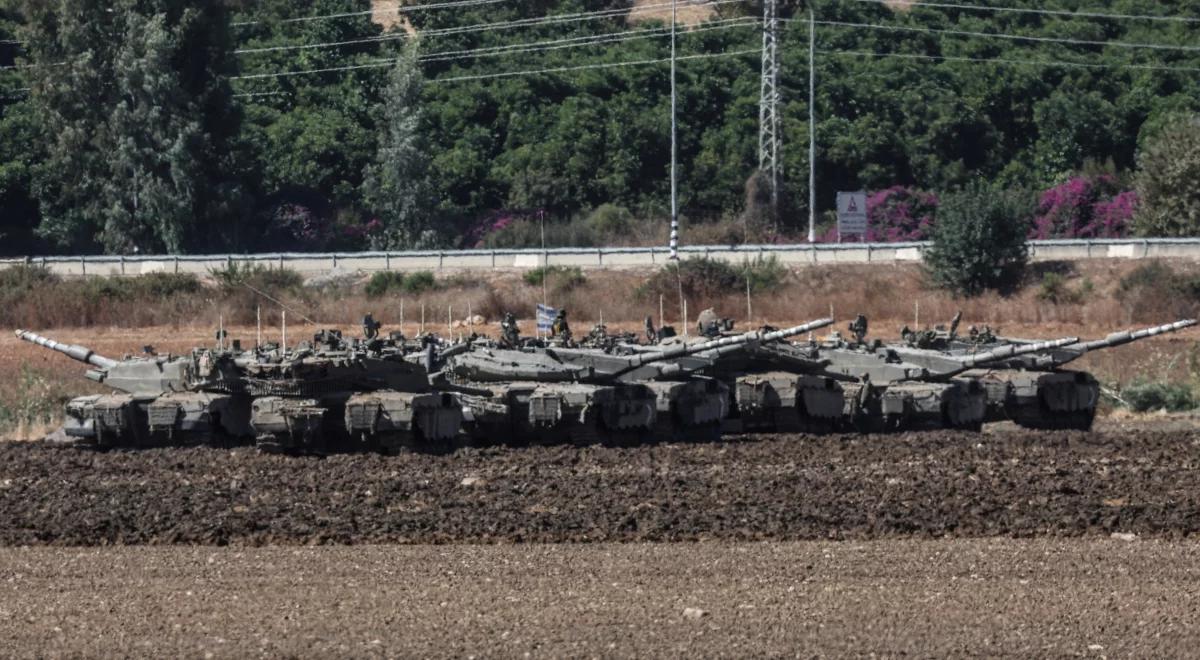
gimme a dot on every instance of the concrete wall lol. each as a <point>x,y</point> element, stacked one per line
<point>592,258</point>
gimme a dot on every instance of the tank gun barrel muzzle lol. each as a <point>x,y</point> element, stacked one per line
<point>1121,338</point>
<point>75,352</point>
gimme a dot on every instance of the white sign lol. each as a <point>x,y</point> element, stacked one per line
<point>852,213</point>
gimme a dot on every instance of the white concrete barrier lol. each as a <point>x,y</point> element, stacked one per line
<point>589,258</point>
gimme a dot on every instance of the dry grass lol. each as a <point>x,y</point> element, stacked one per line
<point>34,379</point>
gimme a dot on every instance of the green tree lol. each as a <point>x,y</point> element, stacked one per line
<point>979,239</point>
<point>396,185</point>
<point>132,99</point>
<point>1167,181</point>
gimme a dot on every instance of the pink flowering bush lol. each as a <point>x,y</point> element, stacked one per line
<point>895,215</point>
<point>1085,207</point>
<point>488,225</point>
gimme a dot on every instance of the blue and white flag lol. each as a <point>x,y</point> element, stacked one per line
<point>545,318</point>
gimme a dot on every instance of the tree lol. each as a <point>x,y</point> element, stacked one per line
<point>1166,181</point>
<point>138,117</point>
<point>979,240</point>
<point>397,184</point>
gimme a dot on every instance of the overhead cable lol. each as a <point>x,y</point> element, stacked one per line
<point>574,42</point>
<point>370,12</point>
<point>492,51</point>
<point>610,65</point>
<point>553,19</point>
<point>1002,35</point>
<point>999,60</point>
<point>1044,12</point>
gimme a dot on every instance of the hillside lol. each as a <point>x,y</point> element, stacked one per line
<point>524,112</point>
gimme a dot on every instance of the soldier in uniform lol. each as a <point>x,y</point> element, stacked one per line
<point>858,328</point>
<point>560,328</point>
<point>510,335</point>
<point>370,326</point>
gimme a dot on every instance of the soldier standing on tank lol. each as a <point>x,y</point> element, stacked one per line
<point>370,326</point>
<point>560,328</point>
<point>510,335</point>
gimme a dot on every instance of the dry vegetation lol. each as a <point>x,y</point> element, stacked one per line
<point>118,317</point>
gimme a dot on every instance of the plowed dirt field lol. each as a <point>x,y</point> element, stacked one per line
<point>1006,483</point>
<point>947,598</point>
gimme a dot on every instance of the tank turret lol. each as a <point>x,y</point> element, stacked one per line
<point>1030,387</point>
<point>588,395</point>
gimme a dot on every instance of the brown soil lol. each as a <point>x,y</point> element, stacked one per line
<point>1007,483</point>
<point>994,598</point>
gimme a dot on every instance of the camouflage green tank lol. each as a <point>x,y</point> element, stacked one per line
<point>324,395</point>
<point>1031,389</point>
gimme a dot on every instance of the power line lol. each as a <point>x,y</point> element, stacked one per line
<point>1014,37</point>
<point>490,51</point>
<point>1045,12</point>
<point>574,42</point>
<point>553,19</point>
<point>369,12</point>
<point>997,60</point>
<point>610,65</point>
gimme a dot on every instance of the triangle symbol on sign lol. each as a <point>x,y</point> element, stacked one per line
<point>853,208</point>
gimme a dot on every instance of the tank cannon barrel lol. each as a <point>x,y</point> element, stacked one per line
<point>966,362</point>
<point>684,350</point>
<point>75,352</point>
<point>1121,338</point>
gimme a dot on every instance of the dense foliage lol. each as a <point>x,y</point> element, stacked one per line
<point>979,240</point>
<point>155,125</point>
<point>1168,180</point>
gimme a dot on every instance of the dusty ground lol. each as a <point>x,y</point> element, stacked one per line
<point>991,597</point>
<point>945,484</point>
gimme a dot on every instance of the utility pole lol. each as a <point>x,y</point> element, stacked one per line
<point>812,127</point>
<point>770,138</point>
<point>674,147</point>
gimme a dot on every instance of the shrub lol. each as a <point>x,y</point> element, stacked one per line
<point>238,275</point>
<point>562,278</point>
<point>1084,207</point>
<point>699,277</point>
<point>1144,396</point>
<point>610,220</point>
<point>419,282</point>
<point>901,214</point>
<point>1054,289</point>
<point>979,240</point>
<point>763,274</point>
<point>37,401</point>
<point>1155,290</point>
<point>384,282</point>
<point>18,282</point>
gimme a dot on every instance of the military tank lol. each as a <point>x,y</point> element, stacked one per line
<point>1031,389</point>
<point>587,396</point>
<point>325,395</point>
<point>839,384</point>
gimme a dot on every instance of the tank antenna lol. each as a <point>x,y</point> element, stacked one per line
<point>284,334</point>
<point>277,302</point>
<point>258,320</point>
